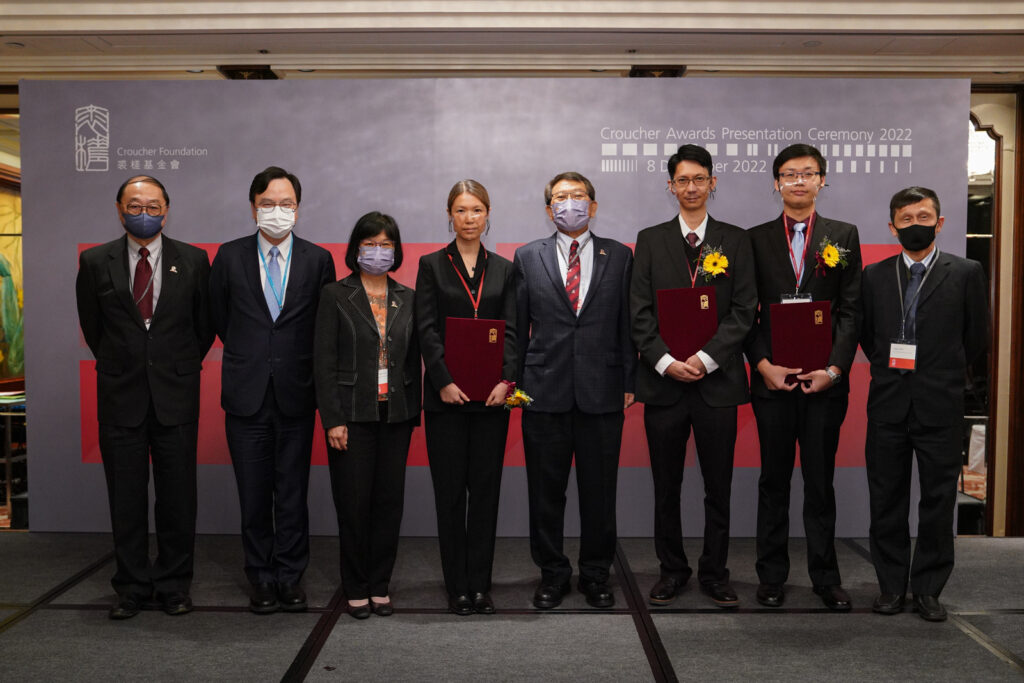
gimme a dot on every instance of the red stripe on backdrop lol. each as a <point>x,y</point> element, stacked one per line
<point>213,444</point>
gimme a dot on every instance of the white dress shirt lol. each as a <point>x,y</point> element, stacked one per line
<point>155,252</point>
<point>585,250</point>
<point>283,250</point>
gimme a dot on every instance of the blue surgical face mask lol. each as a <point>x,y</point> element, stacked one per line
<point>143,226</point>
<point>375,260</point>
<point>571,215</point>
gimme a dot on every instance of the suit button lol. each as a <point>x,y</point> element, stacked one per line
<point>150,363</point>
<point>150,335</point>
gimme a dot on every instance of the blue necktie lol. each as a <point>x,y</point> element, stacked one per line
<point>798,251</point>
<point>273,281</point>
<point>910,297</point>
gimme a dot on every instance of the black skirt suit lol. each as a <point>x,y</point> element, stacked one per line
<point>465,444</point>
<point>367,479</point>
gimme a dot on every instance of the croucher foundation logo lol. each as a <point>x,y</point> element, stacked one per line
<point>92,138</point>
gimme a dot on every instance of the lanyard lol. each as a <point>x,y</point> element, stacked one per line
<point>284,280</point>
<point>693,271</point>
<point>917,294</point>
<point>480,292</point>
<point>798,270</point>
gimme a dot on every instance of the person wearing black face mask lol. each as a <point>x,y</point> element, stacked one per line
<point>925,320</point>
<point>142,305</point>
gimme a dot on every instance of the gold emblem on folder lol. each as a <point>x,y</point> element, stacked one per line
<point>818,318</point>
<point>492,337</point>
<point>704,302</point>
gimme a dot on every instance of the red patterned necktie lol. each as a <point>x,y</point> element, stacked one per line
<point>572,276</point>
<point>142,286</point>
<point>691,239</point>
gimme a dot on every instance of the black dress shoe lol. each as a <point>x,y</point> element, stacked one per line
<point>665,591</point>
<point>291,597</point>
<point>771,594</point>
<point>482,603</point>
<point>721,594</point>
<point>460,604</point>
<point>888,603</point>
<point>550,595</point>
<point>263,599</point>
<point>929,607</point>
<point>382,609</point>
<point>175,603</point>
<point>834,597</point>
<point>359,612</point>
<point>597,593</point>
<point>126,607</point>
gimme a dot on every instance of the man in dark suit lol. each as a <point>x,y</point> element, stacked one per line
<point>925,322</point>
<point>142,305</point>
<point>264,292</point>
<point>790,256</point>
<point>578,364</point>
<point>699,391</point>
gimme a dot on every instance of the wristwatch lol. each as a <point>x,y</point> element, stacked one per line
<point>834,377</point>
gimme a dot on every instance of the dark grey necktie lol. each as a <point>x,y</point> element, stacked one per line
<point>910,299</point>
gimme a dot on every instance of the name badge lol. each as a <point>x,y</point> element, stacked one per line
<point>902,356</point>
<point>382,381</point>
<point>796,298</point>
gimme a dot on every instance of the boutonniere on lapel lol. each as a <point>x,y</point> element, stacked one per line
<point>712,263</point>
<point>829,256</point>
<point>174,269</point>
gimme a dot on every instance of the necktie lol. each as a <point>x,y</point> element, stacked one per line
<point>797,255</point>
<point>572,276</point>
<point>142,285</point>
<point>910,298</point>
<point>273,284</point>
<point>692,240</point>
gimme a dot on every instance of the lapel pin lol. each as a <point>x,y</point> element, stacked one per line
<point>174,269</point>
<point>394,304</point>
<point>603,252</point>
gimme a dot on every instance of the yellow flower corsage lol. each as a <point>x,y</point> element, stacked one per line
<point>830,255</point>
<point>516,398</point>
<point>713,264</point>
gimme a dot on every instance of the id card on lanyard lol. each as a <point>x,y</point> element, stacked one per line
<point>903,351</point>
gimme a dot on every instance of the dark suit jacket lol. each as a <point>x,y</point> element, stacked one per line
<point>345,355</point>
<point>440,294</point>
<point>839,285</point>
<point>661,264</point>
<point>586,360</point>
<point>952,329</point>
<point>256,346</point>
<point>135,365</point>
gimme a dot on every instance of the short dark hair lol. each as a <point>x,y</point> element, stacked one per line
<point>571,176</point>
<point>694,153</point>
<point>371,225</point>
<point>270,173</point>
<point>912,195</point>
<point>143,179</point>
<point>795,152</point>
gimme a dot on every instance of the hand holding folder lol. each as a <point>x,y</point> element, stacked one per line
<point>474,351</point>
<point>801,335</point>
<point>687,319</point>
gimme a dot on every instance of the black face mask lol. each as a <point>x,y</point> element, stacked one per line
<point>916,237</point>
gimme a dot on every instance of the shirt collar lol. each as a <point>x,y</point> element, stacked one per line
<point>283,248</point>
<point>565,242</point>
<point>926,261</point>
<point>154,247</point>
<point>701,229</point>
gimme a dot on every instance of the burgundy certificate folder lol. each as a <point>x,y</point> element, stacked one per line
<point>802,335</point>
<point>687,319</point>
<point>474,350</point>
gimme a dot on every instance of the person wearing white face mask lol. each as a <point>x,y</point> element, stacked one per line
<point>264,293</point>
<point>577,362</point>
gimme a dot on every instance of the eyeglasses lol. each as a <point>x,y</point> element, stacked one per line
<point>792,176</point>
<point>682,182</point>
<point>287,205</point>
<point>387,244</point>
<point>134,209</point>
<point>562,196</point>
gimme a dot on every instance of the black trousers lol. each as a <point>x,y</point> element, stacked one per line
<point>889,453</point>
<point>714,432</point>
<point>126,455</point>
<point>813,421</point>
<point>368,485</point>
<point>467,452</point>
<point>550,440</point>
<point>270,452</point>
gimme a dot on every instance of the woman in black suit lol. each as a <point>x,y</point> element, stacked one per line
<point>367,371</point>
<point>465,439</point>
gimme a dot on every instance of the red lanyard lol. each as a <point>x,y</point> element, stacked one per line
<point>693,271</point>
<point>480,292</point>
<point>787,222</point>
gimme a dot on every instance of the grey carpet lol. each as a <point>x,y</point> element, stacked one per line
<point>33,563</point>
<point>1004,630</point>
<point>547,647</point>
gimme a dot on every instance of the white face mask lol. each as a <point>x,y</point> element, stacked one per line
<point>276,222</point>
